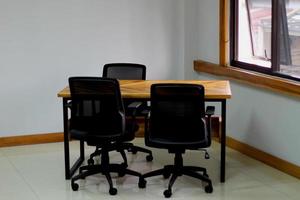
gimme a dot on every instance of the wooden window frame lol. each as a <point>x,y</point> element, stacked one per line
<point>257,79</point>
<point>278,14</point>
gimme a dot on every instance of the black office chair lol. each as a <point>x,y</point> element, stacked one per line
<point>177,122</point>
<point>97,117</point>
<point>127,71</point>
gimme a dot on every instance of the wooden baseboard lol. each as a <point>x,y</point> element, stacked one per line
<point>264,157</point>
<point>246,149</point>
<point>31,139</point>
<point>141,124</point>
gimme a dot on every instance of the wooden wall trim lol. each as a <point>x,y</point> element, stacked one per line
<point>246,149</point>
<point>30,139</point>
<point>264,157</point>
<point>278,84</point>
<point>281,85</point>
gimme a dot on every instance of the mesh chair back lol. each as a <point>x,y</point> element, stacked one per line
<point>125,71</point>
<point>177,114</point>
<point>97,107</point>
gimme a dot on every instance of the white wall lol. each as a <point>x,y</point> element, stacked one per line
<point>263,119</point>
<point>201,33</point>
<point>43,42</point>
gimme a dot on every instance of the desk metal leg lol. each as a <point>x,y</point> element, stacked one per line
<point>69,172</point>
<point>223,141</point>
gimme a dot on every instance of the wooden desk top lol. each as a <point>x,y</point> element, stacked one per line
<point>140,89</point>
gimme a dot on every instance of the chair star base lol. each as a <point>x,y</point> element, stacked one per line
<point>177,170</point>
<point>104,168</point>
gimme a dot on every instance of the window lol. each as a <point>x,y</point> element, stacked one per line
<point>265,36</point>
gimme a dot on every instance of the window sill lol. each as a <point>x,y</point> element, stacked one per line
<point>276,84</point>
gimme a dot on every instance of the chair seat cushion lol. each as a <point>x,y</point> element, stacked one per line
<point>77,134</point>
<point>94,139</point>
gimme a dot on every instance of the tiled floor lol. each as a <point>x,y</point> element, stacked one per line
<point>36,172</point>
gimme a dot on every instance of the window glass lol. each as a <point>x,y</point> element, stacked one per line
<point>290,38</point>
<point>266,36</point>
<point>254,32</point>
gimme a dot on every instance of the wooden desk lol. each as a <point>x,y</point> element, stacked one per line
<point>215,91</point>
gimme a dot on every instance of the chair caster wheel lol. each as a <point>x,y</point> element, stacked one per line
<point>82,178</point>
<point>149,158</point>
<point>74,186</point>
<point>80,172</point>
<point>133,151</point>
<point>90,161</point>
<point>142,183</point>
<point>113,191</point>
<point>166,175</point>
<point>124,165</point>
<point>168,193</point>
<point>205,175</point>
<point>121,173</point>
<point>209,188</point>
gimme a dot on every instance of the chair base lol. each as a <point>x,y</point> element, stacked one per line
<point>177,170</point>
<point>121,148</point>
<point>104,168</point>
<point>134,149</point>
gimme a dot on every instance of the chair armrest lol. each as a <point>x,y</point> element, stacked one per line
<point>69,104</point>
<point>147,120</point>
<point>146,112</point>
<point>133,107</point>
<point>210,110</point>
<point>122,115</point>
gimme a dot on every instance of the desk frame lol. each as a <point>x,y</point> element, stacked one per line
<point>69,171</point>
<point>222,137</point>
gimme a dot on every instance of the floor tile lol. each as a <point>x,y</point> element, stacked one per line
<point>37,173</point>
<point>291,189</point>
